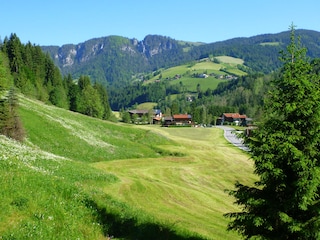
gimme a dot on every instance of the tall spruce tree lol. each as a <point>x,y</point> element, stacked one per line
<point>285,203</point>
<point>10,124</point>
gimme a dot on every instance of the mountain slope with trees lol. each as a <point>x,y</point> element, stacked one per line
<point>114,59</point>
<point>121,65</point>
<point>35,75</point>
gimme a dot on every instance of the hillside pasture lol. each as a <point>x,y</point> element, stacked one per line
<point>270,44</point>
<point>230,60</point>
<point>83,178</point>
<point>187,74</point>
<point>204,83</point>
<point>146,106</point>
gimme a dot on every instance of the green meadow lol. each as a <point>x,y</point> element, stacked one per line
<point>76,177</point>
<point>186,72</point>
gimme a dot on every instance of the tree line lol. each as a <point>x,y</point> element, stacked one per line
<point>244,95</point>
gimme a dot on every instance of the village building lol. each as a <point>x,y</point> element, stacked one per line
<point>182,119</point>
<point>177,120</point>
<point>155,115</point>
<point>233,119</point>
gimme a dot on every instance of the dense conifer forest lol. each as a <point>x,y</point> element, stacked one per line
<point>35,75</point>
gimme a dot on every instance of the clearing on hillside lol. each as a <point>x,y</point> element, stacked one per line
<point>231,60</point>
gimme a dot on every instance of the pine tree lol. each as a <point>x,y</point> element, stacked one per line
<point>102,91</point>
<point>285,202</point>
<point>10,124</point>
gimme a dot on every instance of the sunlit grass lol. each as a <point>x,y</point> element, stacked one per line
<point>42,195</point>
<point>192,83</point>
<point>83,138</point>
<point>188,73</point>
<point>147,106</point>
<point>228,59</point>
<point>190,190</point>
<point>77,177</point>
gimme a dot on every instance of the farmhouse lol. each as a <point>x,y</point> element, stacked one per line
<point>177,119</point>
<point>182,119</point>
<point>203,75</point>
<point>233,118</point>
<point>167,121</point>
<point>157,116</point>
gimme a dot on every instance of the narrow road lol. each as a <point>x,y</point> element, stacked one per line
<point>232,137</point>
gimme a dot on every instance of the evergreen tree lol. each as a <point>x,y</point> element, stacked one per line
<point>73,95</point>
<point>104,100</point>
<point>5,76</point>
<point>285,201</point>
<point>10,124</point>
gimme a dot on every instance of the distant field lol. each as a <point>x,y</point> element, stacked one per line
<point>206,65</point>
<point>270,44</point>
<point>147,105</point>
<point>232,60</point>
<point>188,70</point>
<point>205,83</point>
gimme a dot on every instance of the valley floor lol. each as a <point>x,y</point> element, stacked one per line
<point>189,191</point>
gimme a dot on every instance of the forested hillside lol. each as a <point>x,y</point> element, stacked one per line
<point>115,59</point>
<point>34,74</point>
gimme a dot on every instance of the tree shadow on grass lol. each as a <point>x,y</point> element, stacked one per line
<point>127,227</point>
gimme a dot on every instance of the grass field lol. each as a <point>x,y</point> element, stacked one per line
<point>230,60</point>
<point>205,83</point>
<point>186,71</point>
<point>147,105</point>
<point>77,177</point>
<point>188,191</point>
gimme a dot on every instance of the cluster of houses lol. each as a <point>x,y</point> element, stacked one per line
<point>186,119</point>
<point>159,118</point>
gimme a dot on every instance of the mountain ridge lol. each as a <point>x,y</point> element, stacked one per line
<point>115,59</point>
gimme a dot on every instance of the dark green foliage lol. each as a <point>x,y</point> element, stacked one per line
<point>284,203</point>
<point>36,75</point>
<point>103,95</point>
<point>138,93</point>
<point>10,124</point>
<point>5,76</point>
<point>87,99</point>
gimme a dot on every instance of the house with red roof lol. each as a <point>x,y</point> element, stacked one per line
<point>182,119</point>
<point>178,120</point>
<point>234,118</point>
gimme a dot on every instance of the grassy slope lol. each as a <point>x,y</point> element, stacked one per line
<point>229,63</point>
<point>76,176</point>
<point>189,191</point>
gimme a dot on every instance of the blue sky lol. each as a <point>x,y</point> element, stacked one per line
<point>59,22</point>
